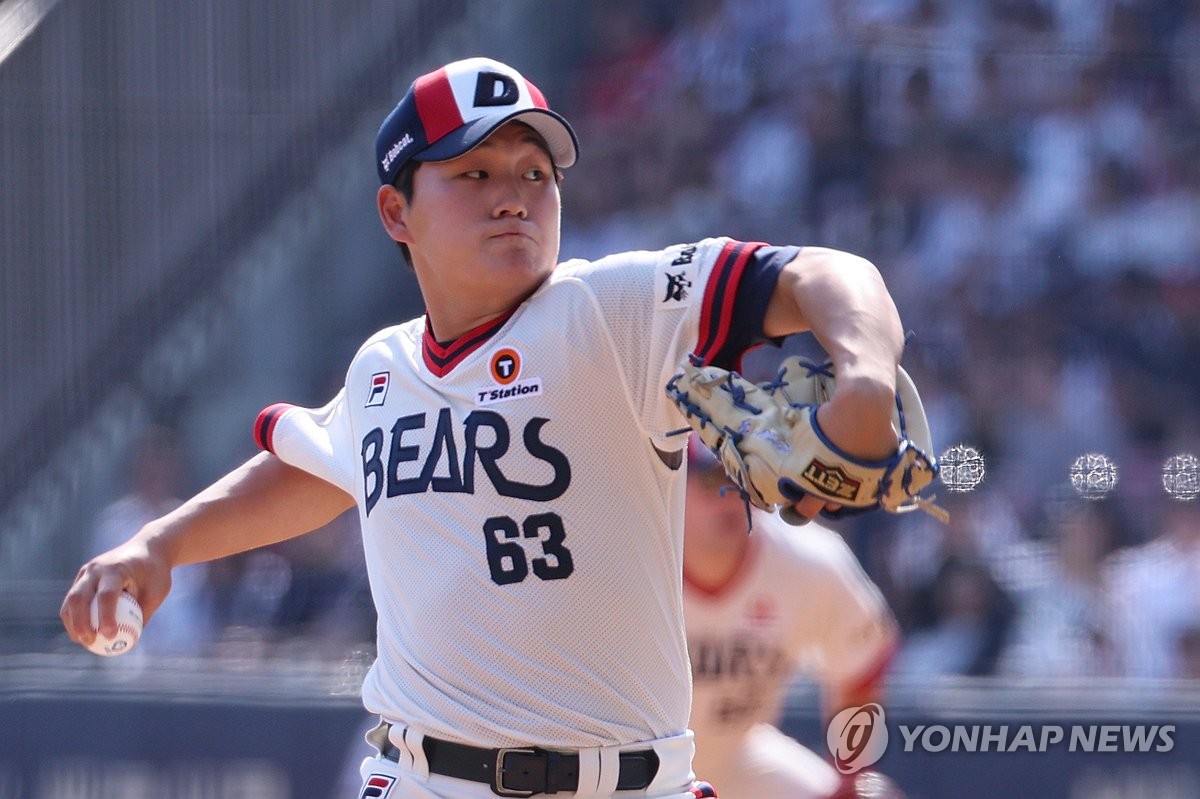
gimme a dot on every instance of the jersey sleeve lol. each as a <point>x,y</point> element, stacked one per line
<point>708,298</point>
<point>735,301</point>
<point>309,439</point>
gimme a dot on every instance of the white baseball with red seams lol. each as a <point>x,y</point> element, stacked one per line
<point>129,627</point>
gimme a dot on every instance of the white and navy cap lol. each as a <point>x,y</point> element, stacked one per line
<point>450,110</point>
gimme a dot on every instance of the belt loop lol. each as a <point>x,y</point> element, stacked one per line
<point>413,745</point>
<point>610,770</point>
<point>674,761</point>
<point>589,772</point>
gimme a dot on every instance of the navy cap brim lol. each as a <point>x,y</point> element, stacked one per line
<point>560,138</point>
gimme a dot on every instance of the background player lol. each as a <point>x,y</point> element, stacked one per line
<point>760,609</point>
<point>512,460</point>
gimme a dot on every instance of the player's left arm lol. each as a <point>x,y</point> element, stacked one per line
<point>842,299</point>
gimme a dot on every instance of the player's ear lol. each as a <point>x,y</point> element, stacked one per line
<point>392,212</point>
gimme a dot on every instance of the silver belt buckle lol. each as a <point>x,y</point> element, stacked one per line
<point>498,776</point>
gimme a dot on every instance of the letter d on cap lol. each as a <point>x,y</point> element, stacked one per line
<point>493,88</point>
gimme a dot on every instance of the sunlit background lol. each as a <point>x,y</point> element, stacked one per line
<point>188,234</point>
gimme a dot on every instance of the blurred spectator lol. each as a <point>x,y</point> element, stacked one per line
<point>1025,175</point>
<point>1156,589</point>
<point>183,625</point>
<point>326,609</point>
<point>765,171</point>
<point>1188,652</point>
<point>964,626</point>
<point>304,599</point>
<point>1064,623</point>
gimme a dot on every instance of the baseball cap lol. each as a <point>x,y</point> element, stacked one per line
<point>448,111</point>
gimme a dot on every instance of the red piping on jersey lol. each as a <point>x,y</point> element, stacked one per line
<point>719,297</point>
<point>749,554</point>
<point>441,359</point>
<point>264,425</point>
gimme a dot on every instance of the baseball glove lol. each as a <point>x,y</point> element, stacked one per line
<point>767,438</point>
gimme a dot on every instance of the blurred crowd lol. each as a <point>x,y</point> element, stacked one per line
<point>1026,174</point>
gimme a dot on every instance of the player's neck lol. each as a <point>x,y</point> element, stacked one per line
<point>450,320</point>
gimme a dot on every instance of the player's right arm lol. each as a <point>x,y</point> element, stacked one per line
<point>262,502</point>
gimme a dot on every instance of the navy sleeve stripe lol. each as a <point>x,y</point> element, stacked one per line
<point>264,426</point>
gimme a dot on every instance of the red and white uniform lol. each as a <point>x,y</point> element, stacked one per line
<point>799,602</point>
<point>523,538</point>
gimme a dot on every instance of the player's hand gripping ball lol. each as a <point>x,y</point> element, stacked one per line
<point>767,438</point>
<point>129,627</point>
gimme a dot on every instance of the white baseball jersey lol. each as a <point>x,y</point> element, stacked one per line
<point>523,538</point>
<point>799,602</point>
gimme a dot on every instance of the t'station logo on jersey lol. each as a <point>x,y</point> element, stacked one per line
<point>505,367</point>
<point>379,387</point>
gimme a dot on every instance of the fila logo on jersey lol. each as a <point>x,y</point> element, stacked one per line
<point>505,368</point>
<point>377,786</point>
<point>379,387</point>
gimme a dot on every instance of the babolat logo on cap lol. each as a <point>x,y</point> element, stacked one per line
<point>832,480</point>
<point>396,149</point>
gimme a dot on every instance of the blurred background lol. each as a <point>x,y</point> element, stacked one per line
<point>188,234</point>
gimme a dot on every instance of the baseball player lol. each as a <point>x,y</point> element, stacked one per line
<point>512,459</point>
<point>760,609</point>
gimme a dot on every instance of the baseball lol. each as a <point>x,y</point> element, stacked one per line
<point>129,627</point>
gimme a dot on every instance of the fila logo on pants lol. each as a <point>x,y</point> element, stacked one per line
<point>377,787</point>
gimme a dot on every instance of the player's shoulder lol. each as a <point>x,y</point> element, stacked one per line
<point>388,350</point>
<point>391,340</point>
<point>675,254</point>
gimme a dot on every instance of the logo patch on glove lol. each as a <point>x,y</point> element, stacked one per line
<point>832,480</point>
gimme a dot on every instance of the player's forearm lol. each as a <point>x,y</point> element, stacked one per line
<point>842,299</point>
<point>262,502</point>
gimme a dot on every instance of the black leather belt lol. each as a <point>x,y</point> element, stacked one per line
<point>525,771</point>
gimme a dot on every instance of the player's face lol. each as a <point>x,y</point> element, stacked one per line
<point>710,515</point>
<point>485,224</point>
